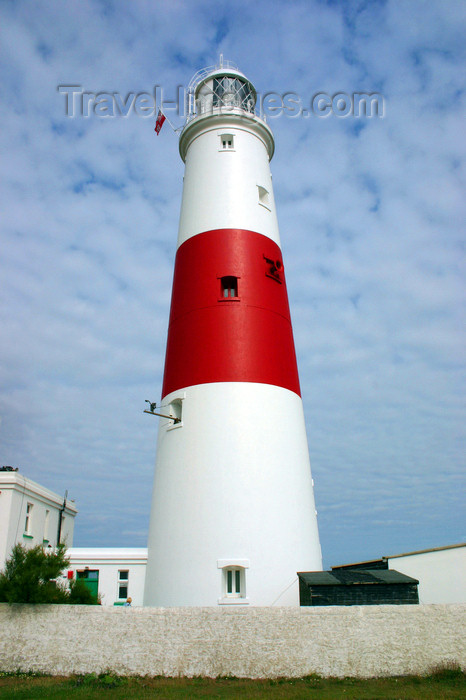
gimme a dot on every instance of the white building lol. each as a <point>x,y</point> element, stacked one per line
<point>112,574</point>
<point>441,571</point>
<point>31,514</point>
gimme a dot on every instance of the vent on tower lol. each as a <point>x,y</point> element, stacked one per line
<point>263,197</point>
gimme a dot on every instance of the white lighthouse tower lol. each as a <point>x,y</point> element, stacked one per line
<point>233,517</point>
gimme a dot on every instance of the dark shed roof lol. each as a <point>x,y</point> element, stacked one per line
<point>354,577</point>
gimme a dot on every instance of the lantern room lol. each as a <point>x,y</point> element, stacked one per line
<point>223,88</point>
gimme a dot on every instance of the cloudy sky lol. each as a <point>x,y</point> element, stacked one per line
<point>371,214</point>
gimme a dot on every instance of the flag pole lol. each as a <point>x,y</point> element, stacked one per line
<point>173,127</point>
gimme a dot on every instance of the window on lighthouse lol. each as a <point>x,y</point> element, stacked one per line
<point>229,287</point>
<point>233,583</point>
<point>227,142</point>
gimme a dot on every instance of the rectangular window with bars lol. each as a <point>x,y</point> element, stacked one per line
<point>234,582</point>
<point>228,287</point>
<point>227,142</point>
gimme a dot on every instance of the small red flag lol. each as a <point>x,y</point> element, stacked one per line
<point>159,123</point>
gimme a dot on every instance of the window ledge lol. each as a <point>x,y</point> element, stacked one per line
<point>233,601</point>
<point>28,537</point>
<point>261,204</point>
<point>175,426</point>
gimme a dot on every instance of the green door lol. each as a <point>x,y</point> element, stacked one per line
<point>91,579</point>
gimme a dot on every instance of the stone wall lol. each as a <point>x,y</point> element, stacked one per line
<point>358,641</point>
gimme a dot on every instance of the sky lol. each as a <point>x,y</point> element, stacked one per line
<point>371,213</point>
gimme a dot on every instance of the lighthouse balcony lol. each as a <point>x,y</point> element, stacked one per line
<point>210,110</point>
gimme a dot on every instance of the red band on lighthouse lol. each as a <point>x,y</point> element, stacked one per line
<point>229,318</point>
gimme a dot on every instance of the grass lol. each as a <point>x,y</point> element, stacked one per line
<point>441,684</point>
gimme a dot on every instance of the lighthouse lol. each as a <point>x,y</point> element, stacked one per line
<point>233,517</point>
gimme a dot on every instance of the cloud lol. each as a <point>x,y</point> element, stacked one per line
<point>371,214</point>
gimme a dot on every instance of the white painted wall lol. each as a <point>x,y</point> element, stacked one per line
<point>16,492</point>
<point>366,641</point>
<point>441,573</point>
<point>109,561</point>
<point>220,187</point>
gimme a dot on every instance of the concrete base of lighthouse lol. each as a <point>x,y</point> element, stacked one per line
<point>232,493</point>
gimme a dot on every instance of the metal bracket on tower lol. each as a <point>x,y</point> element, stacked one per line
<point>162,415</point>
